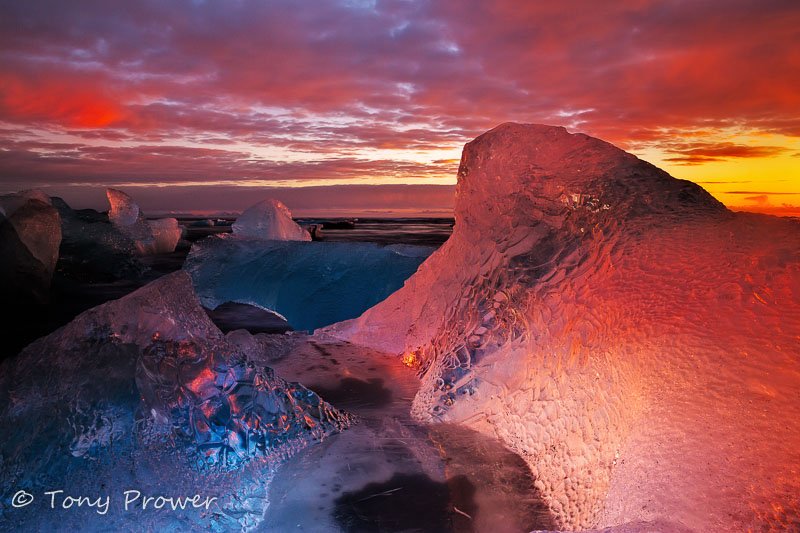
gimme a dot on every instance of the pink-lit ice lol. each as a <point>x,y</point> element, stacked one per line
<point>269,220</point>
<point>636,343</point>
<point>149,236</point>
<point>166,234</point>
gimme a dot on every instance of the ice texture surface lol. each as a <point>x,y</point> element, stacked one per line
<point>124,211</point>
<point>269,220</point>
<point>149,237</point>
<point>629,337</point>
<point>166,234</point>
<point>312,284</point>
<point>146,393</point>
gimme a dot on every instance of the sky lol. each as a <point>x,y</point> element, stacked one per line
<point>363,106</point>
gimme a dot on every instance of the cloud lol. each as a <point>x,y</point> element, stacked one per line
<point>784,210</point>
<point>762,192</point>
<point>761,202</point>
<point>224,83</point>
<point>693,153</point>
<point>761,199</point>
<point>721,182</point>
<point>467,64</point>
<point>38,163</point>
<point>334,200</point>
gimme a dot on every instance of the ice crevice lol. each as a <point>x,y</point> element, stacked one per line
<point>622,331</point>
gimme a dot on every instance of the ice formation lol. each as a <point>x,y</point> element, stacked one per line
<point>231,316</point>
<point>629,337</point>
<point>30,236</point>
<point>92,246</point>
<point>166,234</point>
<point>269,220</point>
<point>149,236</point>
<point>146,393</point>
<point>312,284</point>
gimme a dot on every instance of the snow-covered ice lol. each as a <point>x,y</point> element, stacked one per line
<point>269,219</point>
<point>312,284</point>
<point>636,343</point>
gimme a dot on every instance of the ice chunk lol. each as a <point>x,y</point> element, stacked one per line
<point>166,234</point>
<point>230,411</point>
<point>92,246</point>
<point>269,220</point>
<point>311,284</point>
<point>149,237</point>
<point>11,202</point>
<point>146,393</point>
<point>30,236</point>
<point>125,216</point>
<point>630,338</point>
<point>124,211</point>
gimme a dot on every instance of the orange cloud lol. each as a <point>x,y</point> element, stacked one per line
<point>694,153</point>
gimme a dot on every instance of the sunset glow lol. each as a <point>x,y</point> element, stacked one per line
<point>202,96</point>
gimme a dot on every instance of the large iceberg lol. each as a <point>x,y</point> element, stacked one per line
<point>631,339</point>
<point>149,236</point>
<point>311,284</point>
<point>269,220</point>
<point>146,394</point>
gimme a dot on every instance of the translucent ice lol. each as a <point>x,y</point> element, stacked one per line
<point>311,284</point>
<point>150,237</point>
<point>146,393</point>
<point>166,234</point>
<point>269,220</point>
<point>634,341</point>
<point>30,236</point>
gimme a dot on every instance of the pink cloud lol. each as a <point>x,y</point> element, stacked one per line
<point>336,79</point>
